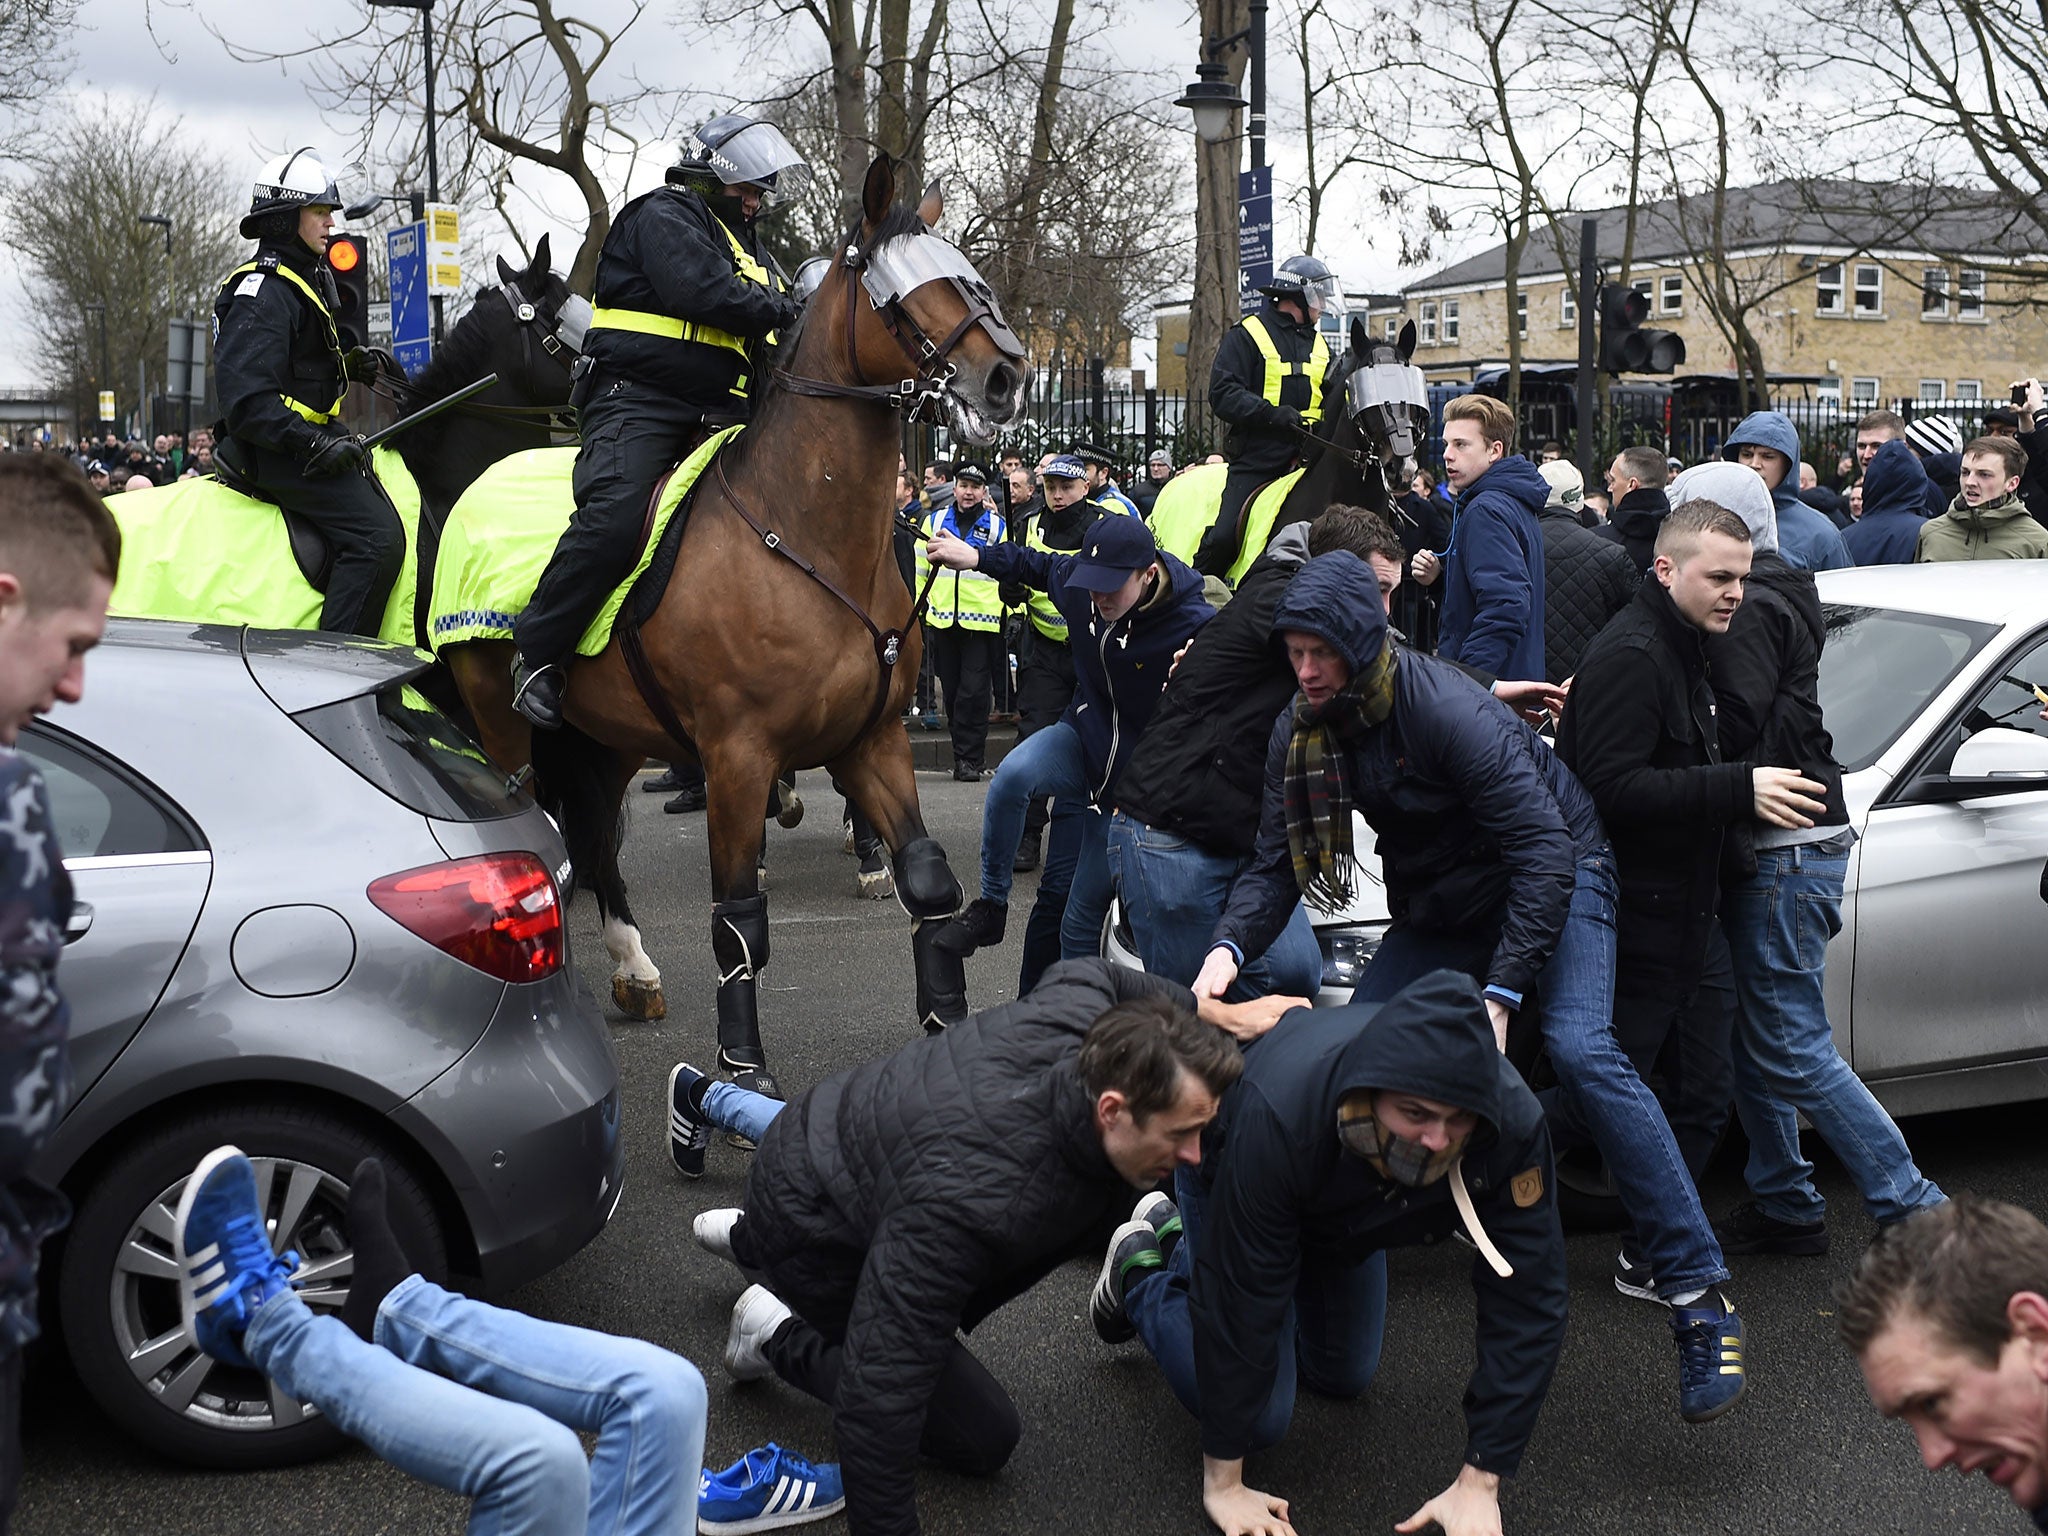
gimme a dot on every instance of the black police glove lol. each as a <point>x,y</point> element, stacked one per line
<point>1013,593</point>
<point>342,453</point>
<point>1287,416</point>
<point>364,364</point>
<point>791,307</point>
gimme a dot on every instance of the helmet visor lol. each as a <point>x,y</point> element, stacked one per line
<point>756,155</point>
<point>1326,294</point>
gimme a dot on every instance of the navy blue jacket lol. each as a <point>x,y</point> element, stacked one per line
<point>1493,574</point>
<point>1806,538</point>
<point>1477,821</point>
<point>1119,669</point>
<point>1283,1191</point>
<point>1895,493</point>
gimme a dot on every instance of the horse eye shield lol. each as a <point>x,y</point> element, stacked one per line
<point>899,267</point>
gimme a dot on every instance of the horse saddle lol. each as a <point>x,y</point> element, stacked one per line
<point>311,552</point>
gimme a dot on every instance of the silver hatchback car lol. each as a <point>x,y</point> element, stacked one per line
<point>312,920</point>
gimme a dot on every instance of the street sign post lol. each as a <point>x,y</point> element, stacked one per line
<point>185,378</point>
<point>1254,233</point>
<point>405,260</point>
<point>444,249</point>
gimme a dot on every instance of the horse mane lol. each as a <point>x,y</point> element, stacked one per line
<point>461,356</point>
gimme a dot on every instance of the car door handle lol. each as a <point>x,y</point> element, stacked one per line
<point>80,920</point>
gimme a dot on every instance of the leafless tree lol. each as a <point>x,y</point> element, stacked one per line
<point>35,40</point>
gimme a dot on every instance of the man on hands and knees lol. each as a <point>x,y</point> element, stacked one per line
<point>1948,1316</point>
<point>1354,1130</point>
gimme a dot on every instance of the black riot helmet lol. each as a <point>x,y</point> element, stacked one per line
<point>1311,282</point>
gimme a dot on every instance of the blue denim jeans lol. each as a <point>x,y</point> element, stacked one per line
<point>1596,1079</point>
<point>485,1402</point>
<point>1047,762</point>
<point>733,1108</point>
<point>1055,880</point>
<point>1173,892</point>
<point>1336,1321</point>
<point>1778,926</point>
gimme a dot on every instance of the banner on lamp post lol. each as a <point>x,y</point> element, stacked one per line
<point>1254,234</point>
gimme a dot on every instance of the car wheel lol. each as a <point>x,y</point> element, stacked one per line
<point>119,1282</point>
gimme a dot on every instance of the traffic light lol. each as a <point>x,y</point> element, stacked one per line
<point>1626,346</point>
<point>349,262</point>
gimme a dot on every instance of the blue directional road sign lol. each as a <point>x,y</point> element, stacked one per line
<point>405,259</point>
<point>1254,233</point>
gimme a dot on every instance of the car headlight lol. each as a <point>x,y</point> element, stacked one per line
<point>1347,952</point>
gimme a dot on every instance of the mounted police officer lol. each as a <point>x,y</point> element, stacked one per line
<point>281,373</point>
<point>686,298</point>
<point>1267,383</point>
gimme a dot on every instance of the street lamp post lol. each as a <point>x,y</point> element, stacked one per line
<point>1214,101</point>
<point>426,10</point>
<point>163,221</point>
<point>103,376</point>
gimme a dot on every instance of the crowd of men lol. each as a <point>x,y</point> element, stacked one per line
<point>115,463</point>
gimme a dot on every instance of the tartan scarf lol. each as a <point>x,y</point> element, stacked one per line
<point>1314,795</point>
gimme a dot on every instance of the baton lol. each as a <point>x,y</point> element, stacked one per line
<point>440,405</point>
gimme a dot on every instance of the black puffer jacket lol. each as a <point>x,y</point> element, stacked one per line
<point>1282,1188</point>
<point>1477,821</point>
<point>1639,733</point>
<point>1200,767</point>
<point>914,1195</point>
<point>1634,522</point>
<point>1587,580</point>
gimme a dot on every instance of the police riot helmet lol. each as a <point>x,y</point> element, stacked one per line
<point>1311,281</point>
<point>810,277</point>
<point>286,185</point>
<point>736,150</point>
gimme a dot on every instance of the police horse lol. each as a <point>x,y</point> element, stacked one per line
<point>784,637</point>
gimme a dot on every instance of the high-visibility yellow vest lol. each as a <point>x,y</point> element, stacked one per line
<point>1258,524</point>
<point>1277,368</point>
<point>1185,507</point>
<point>964,599</point>
<point>648,323</point>
<point>314,414</point>
<point>1038,606</point>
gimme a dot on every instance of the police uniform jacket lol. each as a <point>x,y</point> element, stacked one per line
<point>1258,437</point>
<point>275,344</point>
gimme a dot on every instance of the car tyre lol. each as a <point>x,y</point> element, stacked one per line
<point>118,1283</point>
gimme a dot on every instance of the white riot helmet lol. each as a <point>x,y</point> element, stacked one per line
<point>286,185</point>
<point>736,150</point>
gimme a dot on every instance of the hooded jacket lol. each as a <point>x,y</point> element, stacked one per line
<point>1477,822</point>
<point>1120,668</point>
<point>1284,1192</point>
<point>1894,509</point>
<point>1493,574</point>
<point>1634,523</point>
<point>1199,769</point>
<point>1640,734</point>
<point>914,1195</point>
<point>1998,530</point>
<point>1587,580</point>
<point>1805,538</point>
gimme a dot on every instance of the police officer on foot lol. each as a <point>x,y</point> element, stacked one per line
<point>686,297</point>
<point>1267,383</point>
<point>281,373</point>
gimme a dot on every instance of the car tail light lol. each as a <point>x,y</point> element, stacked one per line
<point>498,912</point>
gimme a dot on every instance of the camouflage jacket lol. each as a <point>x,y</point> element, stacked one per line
<point>35,1073</point>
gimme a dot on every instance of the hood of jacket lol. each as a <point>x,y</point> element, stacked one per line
<point>1770,429</point>
<point>1337,597</point>
<point>1738,488</point>
<point>1514,477</point>
<point>1432,1039</point>
<point>1289,546</point>
<point>1894,484</point>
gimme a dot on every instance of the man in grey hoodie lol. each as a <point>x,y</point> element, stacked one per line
<point>1768,443</point>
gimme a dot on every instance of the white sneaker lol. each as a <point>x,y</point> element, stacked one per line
<point>713,1231</point>
<point>755,1316</point>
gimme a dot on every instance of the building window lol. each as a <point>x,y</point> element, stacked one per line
<point>1969,389</point>
<point>1863,391</point>
<point>1522,313</point>
<point>1429,322</point>
<point>1450,322</point>
<point>1970,293</point>
<point>1934,293</point>
<point>1827,290</point>
<point>1642,286</point>
<point>1670,294</point>
<point>1869,288</point>
<point>1393,327</point>
<point>1829,390</point>
<point>1933,391</point>
<point>1567,307</point>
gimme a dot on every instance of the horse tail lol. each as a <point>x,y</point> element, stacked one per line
<point>576,781</point>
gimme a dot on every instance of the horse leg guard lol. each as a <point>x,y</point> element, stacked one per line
<point>739,943</point>
<point>931,895</point>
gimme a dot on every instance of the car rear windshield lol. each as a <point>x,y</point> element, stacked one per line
<point>1881,667</point>
<point>401,743</point>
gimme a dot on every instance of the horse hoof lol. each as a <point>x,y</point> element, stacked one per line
<point>639,999</point>
<point>877,885</point>
<point>760,877</point>
<point>790,808</point>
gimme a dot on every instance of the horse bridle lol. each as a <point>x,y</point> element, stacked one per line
<point>561,341</point>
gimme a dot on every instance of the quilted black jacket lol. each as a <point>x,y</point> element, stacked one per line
<point>1587,580</point>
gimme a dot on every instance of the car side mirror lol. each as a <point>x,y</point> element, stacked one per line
<point>1997,760</point>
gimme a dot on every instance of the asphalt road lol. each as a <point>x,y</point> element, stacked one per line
<point>1106,1447</point>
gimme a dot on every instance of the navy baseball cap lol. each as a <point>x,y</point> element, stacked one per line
<point>1117,545</point>
<point>1067,467</point>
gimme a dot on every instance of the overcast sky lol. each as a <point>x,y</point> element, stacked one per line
<point>245,112</point>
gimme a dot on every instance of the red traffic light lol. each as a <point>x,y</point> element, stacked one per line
<point>344,253</point>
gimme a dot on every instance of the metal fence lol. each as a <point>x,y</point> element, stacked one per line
<point>1071,403</point>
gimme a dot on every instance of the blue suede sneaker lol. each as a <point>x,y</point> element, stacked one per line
<point>225,1267</point>
<point>1711,1375</point>
<point>765,1490</point>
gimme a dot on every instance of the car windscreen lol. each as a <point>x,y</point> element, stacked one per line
<point>401,743</point>
<point>1880,667</point>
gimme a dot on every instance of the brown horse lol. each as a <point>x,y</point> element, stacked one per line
<point>784,639</point>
